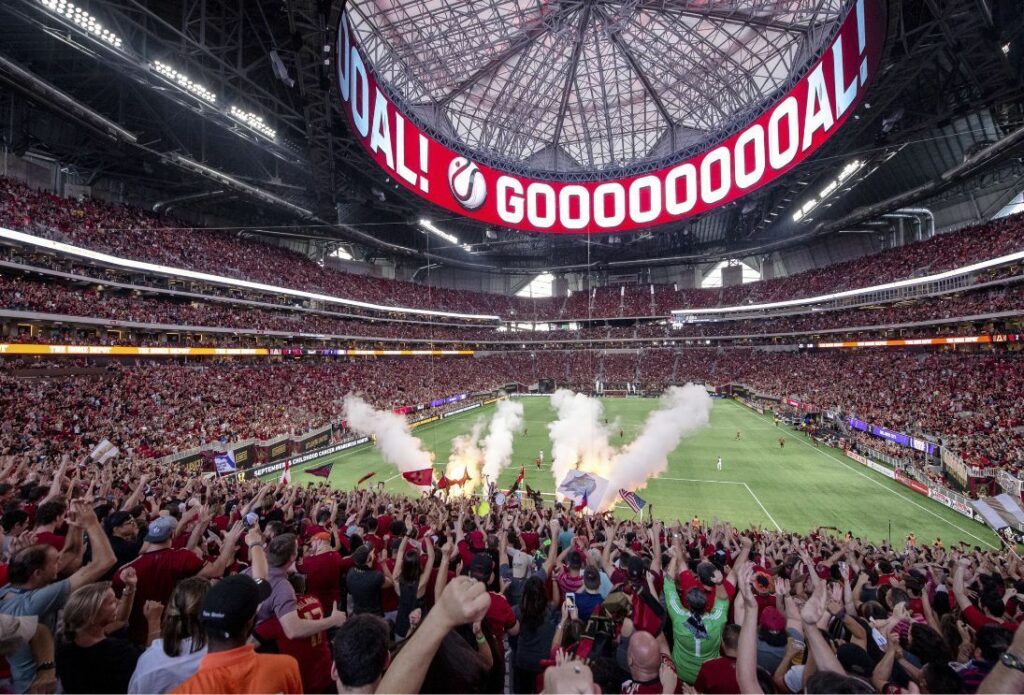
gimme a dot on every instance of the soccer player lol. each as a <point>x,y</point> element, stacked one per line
<point>537,462</point>
<point>782,443</point>
<point>622,433</point>
<point>738,435</point>
<point>719,464</point>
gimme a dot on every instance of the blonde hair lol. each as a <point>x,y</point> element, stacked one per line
<point>83,608</point>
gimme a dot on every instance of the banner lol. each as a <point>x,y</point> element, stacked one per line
<point>911,483</point>
<point>314,440</point>
<point>306,458</point>
<point>789,132</point>
<point>462,410</point>
<point>876,467</point>
<point>951,502</point>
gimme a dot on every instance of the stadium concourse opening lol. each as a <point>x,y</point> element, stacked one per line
<point>503,346</point>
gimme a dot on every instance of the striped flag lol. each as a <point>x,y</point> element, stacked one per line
<point>1000,512</point>
<point>635,502</point>
<point>365,478</point>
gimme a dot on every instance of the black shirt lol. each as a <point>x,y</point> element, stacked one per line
<point>105,667</point>
<point>364,587</point>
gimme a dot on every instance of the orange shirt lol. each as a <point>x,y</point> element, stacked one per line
<point>242,670</point>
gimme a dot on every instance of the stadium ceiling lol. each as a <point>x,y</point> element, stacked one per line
<point>587,84</point>
<point>949,90</point>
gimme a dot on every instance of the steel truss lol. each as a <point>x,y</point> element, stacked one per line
<point>577,89</point>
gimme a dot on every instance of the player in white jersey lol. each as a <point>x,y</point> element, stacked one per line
<point>719,464</point>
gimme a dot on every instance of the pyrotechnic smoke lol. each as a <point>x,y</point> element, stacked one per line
<point>681,413</point>
<point>507,420</point>
<point>466,459</point>
<point>580,439</point>
<point>393,438</point>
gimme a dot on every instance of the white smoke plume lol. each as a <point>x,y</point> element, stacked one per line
<point>681,412</point>
<point>579,437</point>
<point>393,437</point>
<point>506,421</point>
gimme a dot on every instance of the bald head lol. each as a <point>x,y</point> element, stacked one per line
<point>643,657</point>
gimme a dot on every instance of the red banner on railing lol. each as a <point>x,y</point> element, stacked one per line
<point>798,124</point>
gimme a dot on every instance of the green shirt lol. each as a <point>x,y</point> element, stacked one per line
<point>689,652</point>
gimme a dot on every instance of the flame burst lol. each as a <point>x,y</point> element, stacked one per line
<point>467,458</point>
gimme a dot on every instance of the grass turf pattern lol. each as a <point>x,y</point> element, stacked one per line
<point>795,488</point>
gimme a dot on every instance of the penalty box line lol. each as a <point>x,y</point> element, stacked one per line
<point>729,482</point>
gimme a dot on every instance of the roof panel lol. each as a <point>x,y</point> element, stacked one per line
<point>605,82</point>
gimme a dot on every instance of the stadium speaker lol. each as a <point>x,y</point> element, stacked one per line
<point>546,386</point>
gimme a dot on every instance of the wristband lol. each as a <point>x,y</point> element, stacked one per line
<point>480,639</point>
<point>46,666</point>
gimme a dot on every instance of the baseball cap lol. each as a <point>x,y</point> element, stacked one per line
<point>115,519</point>
<point>231,603</point>
<point>160,530</point>
<point>481,566</point>
<point>772,620</point>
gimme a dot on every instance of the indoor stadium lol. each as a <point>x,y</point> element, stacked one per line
<point>512,346</point>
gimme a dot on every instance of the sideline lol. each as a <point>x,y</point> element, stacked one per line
<point>788,433</point>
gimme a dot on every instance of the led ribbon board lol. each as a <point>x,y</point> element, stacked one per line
<point>796,126</point>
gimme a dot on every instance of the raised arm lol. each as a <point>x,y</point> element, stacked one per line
<point>746,651</point>
<point>425,574</point>
<point>463,601</point>
<point>103,558</point>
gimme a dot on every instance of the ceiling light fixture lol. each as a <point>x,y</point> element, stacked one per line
<point>831,187</point>
<point>184,82</point>
<point>253,121</point>
<point>83,20</point>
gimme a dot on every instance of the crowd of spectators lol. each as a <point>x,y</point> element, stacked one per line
<point>133,577</point>
<point>31,294</point>
<point>137,234</point>
<point>969,400</point>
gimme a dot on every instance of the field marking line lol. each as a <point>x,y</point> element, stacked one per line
<point>789,434</point>
<point>695,480</point>
<point>763,509</point>
<point>726,482</point>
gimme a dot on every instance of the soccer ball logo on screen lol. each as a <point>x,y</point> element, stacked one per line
<point>467,184</point>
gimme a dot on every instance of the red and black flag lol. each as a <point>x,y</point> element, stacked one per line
<point>365,478</point>
<point>421,478</point>
<point>519,481</point>
<point>323,471</point>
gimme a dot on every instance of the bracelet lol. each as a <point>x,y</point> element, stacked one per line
<point>261,544</point>
<point>480,639</point>
<point>46,666</point>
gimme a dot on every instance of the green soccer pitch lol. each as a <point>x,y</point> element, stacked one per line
<point>795,488</point>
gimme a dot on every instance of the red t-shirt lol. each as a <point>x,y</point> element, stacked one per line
<point>500,617</point>
<point>531,541</point>
<point>323,578</point>
<point>50,538</point>
<point>977,620</point>
<point>717,676</point>
<point>158,572</point>
<point>313,653</point>
<point>376,541</point>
